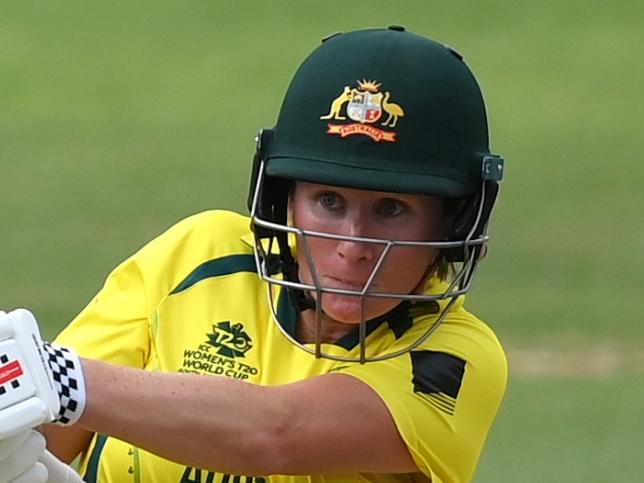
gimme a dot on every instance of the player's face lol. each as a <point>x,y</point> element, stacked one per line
<point>348,264</point>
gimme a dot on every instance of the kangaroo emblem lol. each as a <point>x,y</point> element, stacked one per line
<point>336,105</point>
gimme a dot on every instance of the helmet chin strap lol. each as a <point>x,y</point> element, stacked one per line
<point>303,300</point>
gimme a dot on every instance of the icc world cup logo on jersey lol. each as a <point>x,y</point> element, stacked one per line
<point>367,106</point>
<point>230,340</point>
<point>223,354</point>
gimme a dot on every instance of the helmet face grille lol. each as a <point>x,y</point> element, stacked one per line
<point>276,266</point>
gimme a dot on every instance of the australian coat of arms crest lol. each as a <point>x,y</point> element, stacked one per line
<point>366,106</point>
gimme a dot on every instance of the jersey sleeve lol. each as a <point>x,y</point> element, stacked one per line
<point>443,397</point>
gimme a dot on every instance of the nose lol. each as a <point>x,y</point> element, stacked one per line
<point>355,250</point>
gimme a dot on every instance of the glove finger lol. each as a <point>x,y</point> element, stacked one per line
<point>9,445</point>
<point>59,472</point>
<point>36,474</point>
<point>24,457</point>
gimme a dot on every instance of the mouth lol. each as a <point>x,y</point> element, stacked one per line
<point>345,283</point>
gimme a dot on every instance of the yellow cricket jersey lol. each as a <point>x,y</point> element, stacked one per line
<point>191,301</point>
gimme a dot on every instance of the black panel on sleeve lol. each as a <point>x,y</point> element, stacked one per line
<point>437,376</point>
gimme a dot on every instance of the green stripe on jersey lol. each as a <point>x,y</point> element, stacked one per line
<point>91,474</point>
<point>217,268</point>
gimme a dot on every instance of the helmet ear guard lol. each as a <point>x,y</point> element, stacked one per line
<point>268,200</point>
<point>261,142</point>
<point>472,218</point>
<point>471,223</point>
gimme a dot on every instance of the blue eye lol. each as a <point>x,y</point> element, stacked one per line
<point>389,207</point>
<point>330,200</point>
<point>327,199</point>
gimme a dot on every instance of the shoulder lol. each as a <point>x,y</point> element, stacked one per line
<point>463,333</point>
<point>116,324</point>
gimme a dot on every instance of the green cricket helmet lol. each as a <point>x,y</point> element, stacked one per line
<point>386,110</point>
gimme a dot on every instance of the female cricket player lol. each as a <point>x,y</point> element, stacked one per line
<point>324,338</point>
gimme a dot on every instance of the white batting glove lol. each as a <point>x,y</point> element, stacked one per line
<point>19,456</point>
<point>58,471</point>
<point>39,382</point>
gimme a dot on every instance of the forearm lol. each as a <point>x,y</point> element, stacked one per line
<point>207,422</point>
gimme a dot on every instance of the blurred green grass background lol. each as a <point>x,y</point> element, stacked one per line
<point>119,118</point>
